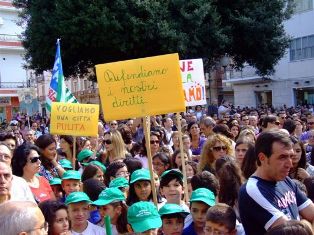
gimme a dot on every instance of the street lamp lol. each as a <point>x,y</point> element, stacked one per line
<point>225,62</point>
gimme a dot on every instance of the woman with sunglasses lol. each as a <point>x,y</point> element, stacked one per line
<point>154,148</point>
<point>26,163</point>
<point>114,147</point>
<point>216,146</point>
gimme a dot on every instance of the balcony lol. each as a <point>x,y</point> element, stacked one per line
<point>247,74</point>
<point>9,41</point>
<point>13,84</point>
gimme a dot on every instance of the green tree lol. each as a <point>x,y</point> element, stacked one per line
<point>99,31</point>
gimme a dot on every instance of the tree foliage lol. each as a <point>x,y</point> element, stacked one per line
<point>99,31</point>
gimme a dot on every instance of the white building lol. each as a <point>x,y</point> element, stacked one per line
<point>293,81</point>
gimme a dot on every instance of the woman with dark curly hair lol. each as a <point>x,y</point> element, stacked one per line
<point>26,163</point>
<point>56,216</point>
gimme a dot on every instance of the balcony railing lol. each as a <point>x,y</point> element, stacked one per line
<point>10,38</point>
<point>246,72</point>
<point>13,84</point>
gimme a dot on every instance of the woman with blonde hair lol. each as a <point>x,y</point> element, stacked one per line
<point>215,147</point>
<point>247,133</point>
<point>114,147</point>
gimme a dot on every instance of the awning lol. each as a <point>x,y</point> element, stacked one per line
<point>8,95</point>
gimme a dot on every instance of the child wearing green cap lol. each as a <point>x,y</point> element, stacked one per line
<point>111,202</point>
<point>172,216</point>
<point>71,182</point>
<point>56,187</point>
<point>78,209</point>
<point>143,218</point>
<point>122,184</point>
<point>201,199</point>
<point>171,187</point>
<point>140,188</point>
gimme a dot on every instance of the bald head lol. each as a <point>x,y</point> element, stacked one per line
<point>20,218</point>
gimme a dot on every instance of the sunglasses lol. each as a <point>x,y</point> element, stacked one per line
<point>310,123</point>
<point>276,123</point>
<point>154,142</point>
<point>107,141</point>
<point>34,159</point>
<point>219,148</point>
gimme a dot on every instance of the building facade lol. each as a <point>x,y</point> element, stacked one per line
<point>13,76</point>
<point>293,81</point>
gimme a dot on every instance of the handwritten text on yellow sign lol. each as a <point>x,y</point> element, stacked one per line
<point>74,119</point>
<point>140,87</point>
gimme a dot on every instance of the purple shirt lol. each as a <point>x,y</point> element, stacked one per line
<point>197,151</point>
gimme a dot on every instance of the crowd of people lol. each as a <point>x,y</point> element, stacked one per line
<point>248,171</point>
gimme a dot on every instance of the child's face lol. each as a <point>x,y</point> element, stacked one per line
<point>214,228</point>
<point>57,190</point>
<point>173,191</point>
<point>198,212</point>
<point>109,210</point>
<point>178,160</point>
<point>78,213</point>
<point>142,190</point>
<point>189,171</point>
<point>172,226</point>
<point>70,186</point>
<point>149,232</point>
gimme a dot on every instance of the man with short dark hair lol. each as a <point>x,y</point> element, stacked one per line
<point>269,197</point>
<point>5,182</point>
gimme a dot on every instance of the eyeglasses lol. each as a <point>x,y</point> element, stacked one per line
<point>44,227</point>
<point>34,159</point>
<point>5,157</point>
<point>107,141</point>
<point>245,119</point>
<point>154,142</point>
<point>310,123</point>
<point>219,148</point>
<point>122,174</point>
<point>276,123</point>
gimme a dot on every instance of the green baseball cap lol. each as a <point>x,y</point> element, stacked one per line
<point>98,163</point>
<point>170,208</point>
<point>174,172</point>
<point>203,195</point>
<point>108,196</point>
<point>119,182</point>
<point>55,181</point>
<point>76,197</point>
<point>71,175</point>
<point>66,164</point>
<point>143,216</point>
<point>85,153</point>
<point>141,174</point>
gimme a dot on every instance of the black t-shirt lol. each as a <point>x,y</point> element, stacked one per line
<point>262,202</point>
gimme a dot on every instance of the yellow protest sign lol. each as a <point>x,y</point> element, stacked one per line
<point>74,119</point>
<point>141,87</point>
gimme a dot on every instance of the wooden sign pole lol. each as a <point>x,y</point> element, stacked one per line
<point>74,152</point>
<point>185,183</point>
<point>146,126</point>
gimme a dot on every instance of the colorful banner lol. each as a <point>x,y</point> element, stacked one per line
<point>193,80</point>
<point>140,87</point>
<point>74,119</point>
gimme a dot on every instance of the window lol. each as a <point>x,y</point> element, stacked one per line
<point>303,5</point>
<point>302,48</point>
